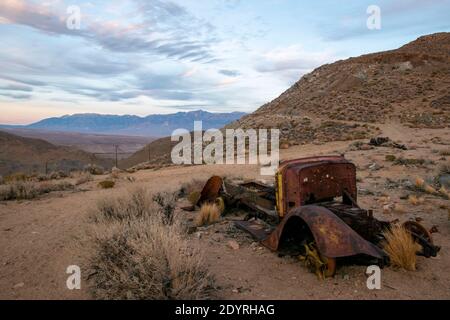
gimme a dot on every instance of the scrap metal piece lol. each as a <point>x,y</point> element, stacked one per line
<point>211,190</point>
<point>311,180</point>
<point>423,237</point>
<point>255,229</point>
<point>333,237</point>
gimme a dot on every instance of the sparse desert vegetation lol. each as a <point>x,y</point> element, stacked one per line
<point>30,190</point>
<point>94,169</point>
<point>209,214</point>
<point>401,248</point>
<point>140,255</point>
<point>141,245</point>
<point>106,184</point>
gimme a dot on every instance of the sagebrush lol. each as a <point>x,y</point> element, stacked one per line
<point>139,255</point>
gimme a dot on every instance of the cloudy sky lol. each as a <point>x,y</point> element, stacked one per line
<point>156,56</point>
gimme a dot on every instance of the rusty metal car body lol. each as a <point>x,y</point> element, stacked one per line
<point>312,210</point>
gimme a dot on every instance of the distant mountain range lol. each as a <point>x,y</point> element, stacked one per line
<point>150,126</point>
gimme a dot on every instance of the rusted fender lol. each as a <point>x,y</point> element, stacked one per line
<point>334,238</point>
<point>211,190</point>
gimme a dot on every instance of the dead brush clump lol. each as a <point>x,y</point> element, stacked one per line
<point>30,190</point>
<point>138,255</point>
<point>401,248</point>
<point>136,204</point>
<point>209,214</point>
<point>106,184</point>
<point>94,169</point>
<point>16,177</point>
<point>167,203</point>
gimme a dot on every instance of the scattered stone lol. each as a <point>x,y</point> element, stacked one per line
<point>19,285</point>
<point>199,234</point>
<point>375,167</point>
<point>233,245</point>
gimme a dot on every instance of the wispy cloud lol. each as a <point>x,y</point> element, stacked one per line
<point>146,56</point>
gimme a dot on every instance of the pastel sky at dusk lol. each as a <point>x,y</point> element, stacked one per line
<point>154,56</point>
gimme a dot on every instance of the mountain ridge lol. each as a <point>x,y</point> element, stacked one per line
<point>157,125</point>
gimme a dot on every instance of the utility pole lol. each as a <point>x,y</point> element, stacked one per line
<point>148,150</point>
<point>116,148</point>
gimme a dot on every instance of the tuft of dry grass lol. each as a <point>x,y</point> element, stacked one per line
<point>209,214</point>
<point>419,183</point>
<point>390,158</point>
<point>106,184</point>
<point>135,204</point>
<point>401,248</point>
<point>138,255</point>
<point>194,197</point>
<point>429,189</point>
<point>415,201</point>
<point>220,205</point>
<point>444,192</point>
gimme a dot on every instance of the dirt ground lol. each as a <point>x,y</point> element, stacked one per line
<point>41,238</point>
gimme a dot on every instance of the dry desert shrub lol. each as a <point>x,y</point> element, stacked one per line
<point>106,184</point>
<point>94,169</point>
<point>30,190</point>
<point>401,248</point>
<point>140,256</point>
<point>135,204</point>
<point>16,177</point>
<point>415,200</point>
<point>209,214</point>
<point>167,203</point>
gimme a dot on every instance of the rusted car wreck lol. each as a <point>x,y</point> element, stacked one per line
<point>312,212</point>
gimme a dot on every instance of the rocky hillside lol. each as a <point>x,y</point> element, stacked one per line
<point>342,100</point>
<point>346,100</point>
<point>19,154</point>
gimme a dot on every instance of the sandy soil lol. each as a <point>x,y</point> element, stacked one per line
<point>40,238</point>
